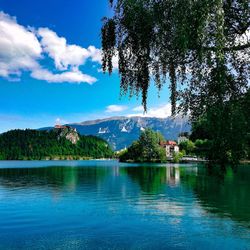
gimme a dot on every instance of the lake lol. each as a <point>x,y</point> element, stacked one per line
<point>110,205</point>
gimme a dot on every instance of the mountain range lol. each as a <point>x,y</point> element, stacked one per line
<point>121,131</point>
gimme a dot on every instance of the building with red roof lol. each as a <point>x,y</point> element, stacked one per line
<point>171,147</point>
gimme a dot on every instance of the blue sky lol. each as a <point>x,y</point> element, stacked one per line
<point>50,66</point>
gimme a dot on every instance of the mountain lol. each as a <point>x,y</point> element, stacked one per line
<point>121,131</point>
<point>61,142</point>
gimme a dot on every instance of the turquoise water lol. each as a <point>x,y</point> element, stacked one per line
<point>108,205</point>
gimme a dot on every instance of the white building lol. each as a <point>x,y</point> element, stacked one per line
<point>182,137</point>
<point>171,147</point>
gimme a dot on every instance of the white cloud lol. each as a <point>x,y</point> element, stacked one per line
<point>19,47</point>
<point>69,56</point>
<point>64,55</point>
<point>95,54</point>
<point>115,108</point>
<point>138,109</point>
<point>115,61</point>
<point>75,76</point>
<point>162,111</point>
<point>23,49</point>
<point>60,121</point>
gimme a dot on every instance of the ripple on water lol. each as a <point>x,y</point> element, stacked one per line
<point>120,207</point>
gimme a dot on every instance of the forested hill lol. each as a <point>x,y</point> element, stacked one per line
<point>63,143</point>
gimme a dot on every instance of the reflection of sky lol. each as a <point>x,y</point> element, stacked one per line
<point>92,163</point>
<point>1,193</point>
<point>108,203</point>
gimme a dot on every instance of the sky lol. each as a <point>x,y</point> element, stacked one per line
<point>50,66</point>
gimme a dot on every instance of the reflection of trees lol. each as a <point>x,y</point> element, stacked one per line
<point>162,191</point>
<point>154,179</point>
<point>150,179</point>
<point>222,191</point>
<point>54,177</point>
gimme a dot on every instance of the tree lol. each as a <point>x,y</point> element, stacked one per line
<point>34,144</point>
<point>202,147</point>
<point>150,144</point>
<point>188,146</point>
<point>232,141</point>
<point>178,156</point>
<point>203,45</point>
<point>146,149</point>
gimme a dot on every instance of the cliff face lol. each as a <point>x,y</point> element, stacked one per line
<point>68,132</point>
<point>73,137</point>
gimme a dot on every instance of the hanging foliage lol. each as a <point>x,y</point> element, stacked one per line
<point>187,41</point>
<point>201,46</point>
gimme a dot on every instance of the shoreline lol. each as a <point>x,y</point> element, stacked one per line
<point>55,159</point>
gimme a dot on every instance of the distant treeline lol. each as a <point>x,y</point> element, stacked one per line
<point>36,145</point>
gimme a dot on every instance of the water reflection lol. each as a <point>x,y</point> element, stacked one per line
<point>222,191</point>
<point>57,177</point>
<point>172,195</point>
